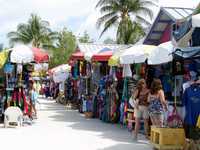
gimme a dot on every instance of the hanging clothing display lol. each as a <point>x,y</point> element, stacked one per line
<point>191,101</point>
<point>127,71</point>
<point>19,99</point>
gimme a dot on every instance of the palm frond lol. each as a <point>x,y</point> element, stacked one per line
<point>108,24</point>
<point>141,20</point>
<point>105,18</point>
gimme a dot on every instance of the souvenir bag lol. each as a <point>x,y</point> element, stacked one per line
<point>134,102</point>
<point>174,120</point>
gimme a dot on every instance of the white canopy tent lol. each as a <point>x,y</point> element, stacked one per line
<point>21,54</point>
<point>196,21</point>
<point>61,73</point>
<point>161,54</point>
<point>136,54</point>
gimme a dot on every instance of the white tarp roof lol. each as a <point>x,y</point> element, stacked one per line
<point>196,21</point>
<point>21,54</point>
<point>161,54</point>
<point>136,54</point>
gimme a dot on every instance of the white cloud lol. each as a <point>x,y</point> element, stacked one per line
<point>55,11</point>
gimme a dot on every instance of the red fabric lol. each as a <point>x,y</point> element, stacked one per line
<point>40,56</point>
<point>104,56</point>
<point>78,55</point>
<point>166,35</point>
<point>17,96</point>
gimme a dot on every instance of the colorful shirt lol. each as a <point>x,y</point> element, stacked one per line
<point>191,100</point>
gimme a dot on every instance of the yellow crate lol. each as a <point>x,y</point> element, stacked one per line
<point>170,137</point>
<point>168,147</point>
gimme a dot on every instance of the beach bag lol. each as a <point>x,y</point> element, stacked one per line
<point>174,120</point>
<point>134,102</point>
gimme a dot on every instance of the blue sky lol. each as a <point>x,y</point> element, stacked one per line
<point>76,15</point>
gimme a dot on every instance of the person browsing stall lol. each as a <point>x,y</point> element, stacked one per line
<point>157,103</point>
<point>33,99</point>
<point>140,96</point>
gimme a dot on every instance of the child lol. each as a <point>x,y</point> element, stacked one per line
<point>33,100</point>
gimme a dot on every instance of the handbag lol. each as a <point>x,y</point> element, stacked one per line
<point>174,120</point>
<point>133,102</point>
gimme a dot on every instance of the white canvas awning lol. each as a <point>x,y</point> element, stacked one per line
<point>21,54</point>
<point>136,54</point>
<point>196,21</point>
<point>161,54</point>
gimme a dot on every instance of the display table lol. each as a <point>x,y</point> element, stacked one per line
<point>168,138</point>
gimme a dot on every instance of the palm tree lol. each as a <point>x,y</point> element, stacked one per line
<point>127,15</point>
<point>197,10</point>
<point>35,32</point>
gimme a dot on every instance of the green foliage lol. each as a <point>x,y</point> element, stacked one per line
<point>36,32</point>
<point>85,38</point>
<point>117,13</point>
<point>109,41</point>
<point>65,46</point>
<point>197,10</point>
<point>129,32</point>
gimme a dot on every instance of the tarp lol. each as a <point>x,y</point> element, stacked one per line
<point>196,21</point>
<point>3,58</point>
<point>60,76</point>
<point>40,55</point>
<point>113,61</point>
<point>115,58</point>
<point>78,56</point>
<point>99,55</point>
<point>102,56</point>
<point>21,54</point>
<point>161,54</point>
<point>187,53</point>
<point>60,73</point>
<point>136,54</point>
<point>60,68</point>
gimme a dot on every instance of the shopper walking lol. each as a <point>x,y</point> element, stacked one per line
<point>33,99</point>
<point>140,96</point>
<point>157,103</point>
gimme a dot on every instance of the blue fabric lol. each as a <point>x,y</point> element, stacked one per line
<point>34,96</point>
<point>191,100</point>
<point>166,82</point>
<point>8,68</point>
<point>155,107</point>
<point>122,113</point>
<point>183,30</point>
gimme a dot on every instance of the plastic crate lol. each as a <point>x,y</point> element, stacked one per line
<point>168,138</point>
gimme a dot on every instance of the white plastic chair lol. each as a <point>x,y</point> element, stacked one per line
<point>13,115</point>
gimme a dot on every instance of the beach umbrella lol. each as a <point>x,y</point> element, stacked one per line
<point>136,54</point>
<point>102,56</point>
<point>161,54</point>
<point>40,55</point>
<point>21,54</point>
<point>78,55</point>
<point>61,73</point>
